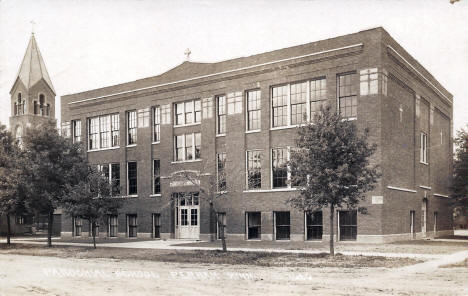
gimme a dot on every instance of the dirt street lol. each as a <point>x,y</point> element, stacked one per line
<point>31,275</point>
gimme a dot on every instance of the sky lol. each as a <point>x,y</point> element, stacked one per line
<point>92,44</point>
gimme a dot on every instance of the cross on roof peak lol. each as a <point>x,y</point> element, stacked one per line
<point>187,54</point>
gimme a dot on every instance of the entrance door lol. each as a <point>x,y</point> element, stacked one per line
<point>424,218</point>
<point>189,216</point>
<point>412,230</point>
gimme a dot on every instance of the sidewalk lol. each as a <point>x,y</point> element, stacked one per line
<point>175,244</point>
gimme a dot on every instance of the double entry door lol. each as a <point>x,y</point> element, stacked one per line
<point>188,215</point>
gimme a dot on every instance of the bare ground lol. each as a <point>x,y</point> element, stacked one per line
<point>42,275</point>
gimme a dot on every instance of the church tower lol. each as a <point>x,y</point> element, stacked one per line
<point>32,94</point>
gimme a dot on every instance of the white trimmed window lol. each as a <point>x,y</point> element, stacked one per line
<point>253,110</point>
<point>318,95</point>
<point>220,115</point>
<point>156,176</point>
<point>156,124</point>
<point>76,131</point>
<point>103,131</point>
<point>132,178</point>
<point>295,103</point>
<point>254,169</point>
<point>187,147</point>
<point>423,148</point>
<point>132,127</point>
<point>187,112</point>
<point>111,172</point>
<point>221,171</point>
<point>280,175</point>
<point>347,95</point>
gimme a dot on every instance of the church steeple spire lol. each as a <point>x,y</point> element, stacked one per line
<point>33,68</point>
<point>32,94</point>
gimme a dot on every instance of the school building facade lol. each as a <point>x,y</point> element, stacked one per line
<point>236,121</point>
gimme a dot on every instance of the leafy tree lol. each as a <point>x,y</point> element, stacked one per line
<point>460,170</point>
<point>211,188</point>
<point>330,165</point>
<point>11,191</point>
<point>92,199</point>
<point>54,164</point>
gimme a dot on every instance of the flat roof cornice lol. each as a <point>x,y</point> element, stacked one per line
<point>217,73</point>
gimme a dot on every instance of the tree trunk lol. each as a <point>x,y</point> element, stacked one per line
<point>221,232</point>
<point>8,228</point>
<point>223,238</point>
<point>50,222</point>
<point>93,231</point>
<point>332,242</point>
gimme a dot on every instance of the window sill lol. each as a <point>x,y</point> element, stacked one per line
<point>131,145</point>
<point>253,131</point>
<point>104,149</point>
<point>270,190</point>
<point>155,195</point>
<point>185,161</point>
<point>220,135</point>
<point>153,143</point>
<point>425,163</point>
<point>349,119</point>
<point>186,125</point>
<point>284,127</point>
<point>130,196</point>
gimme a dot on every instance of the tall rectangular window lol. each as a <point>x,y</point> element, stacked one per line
<point>93,133</point>
<point>318,95</point>
<point>113,225</point>
<point>104,131</point>
<point>282,225</point>
<point>253,110</point>
<point>280,170</point>
<point>254,169</point>
<point>423,148</point>
<point>157,225</point>
<point>115,178</point>
<point>115,130</point>
<point>280,105</point>
<point>132,178</point>
<point>131,127</point>
<point>314,225</point>
<point>197,110</point>
<point>347,95</point>
<point>221,171</point>
<point>369,83</point>
<point>254,225</point>
<point>156,124</point>
<point>348,225</point>
<point>187,112</point>
<point>197,144</point>
<point>132,225</point>
<point>188,147</point>
<point>179,148</point>
<point>298,102</point>
<point>221,114</point>
<point>76,130</point>
<point>156,176</point>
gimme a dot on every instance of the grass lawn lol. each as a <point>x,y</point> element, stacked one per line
<point>209,257</point>
<point>412,246</point>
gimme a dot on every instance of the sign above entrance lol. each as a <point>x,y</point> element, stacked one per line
<point>179,183</point>
<point>377,200</point>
